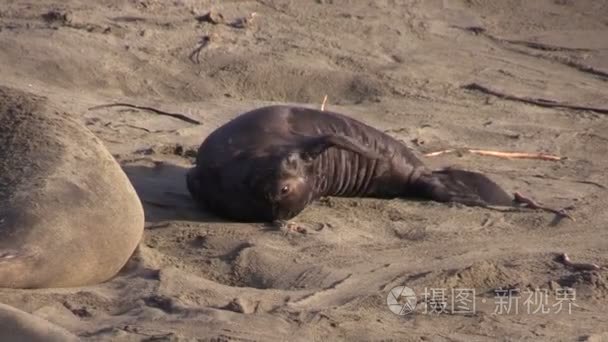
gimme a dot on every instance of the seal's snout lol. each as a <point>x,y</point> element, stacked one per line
<point>286,196</point>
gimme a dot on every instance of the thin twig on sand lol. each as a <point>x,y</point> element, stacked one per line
<point>154,110</point>
<point>538,102</point>
<point>601,186</point>
<point>534,45</point>
<point>499,154</point>
<point>534,205</point>
<point>323,104</point>
<point>508,44</point>
<point>565,259</point>
<point>196,53</point>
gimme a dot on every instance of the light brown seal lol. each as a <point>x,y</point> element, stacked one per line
<point>68,214</point>
<point>17,325</point>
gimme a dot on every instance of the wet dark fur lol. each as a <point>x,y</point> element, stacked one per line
<point>271,162</point>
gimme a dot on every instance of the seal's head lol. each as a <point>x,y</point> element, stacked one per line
<point>288,186</point>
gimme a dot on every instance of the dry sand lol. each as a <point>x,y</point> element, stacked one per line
<point>398,65</point>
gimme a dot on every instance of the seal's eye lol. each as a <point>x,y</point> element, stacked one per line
<point>285,189</point>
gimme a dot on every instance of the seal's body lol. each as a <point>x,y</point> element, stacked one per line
<point>18,325</point>
<point>68,214</point>
<point>270,163</point>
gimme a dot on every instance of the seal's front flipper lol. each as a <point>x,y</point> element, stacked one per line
<point>311,147</point>
<point>14,264</point>
<point>466,187</point>
<point>6,255</point>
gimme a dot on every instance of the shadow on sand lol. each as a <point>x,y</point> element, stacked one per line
<point>164,195</point>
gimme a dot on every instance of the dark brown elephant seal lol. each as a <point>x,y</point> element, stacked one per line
<point>68,214</point>
<point>269,163</point>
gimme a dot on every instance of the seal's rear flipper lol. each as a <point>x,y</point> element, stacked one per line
<point>475,189</point>
<point>466,187</point>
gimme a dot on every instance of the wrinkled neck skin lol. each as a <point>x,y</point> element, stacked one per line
<point>341,173</point>
<point>338,172</point>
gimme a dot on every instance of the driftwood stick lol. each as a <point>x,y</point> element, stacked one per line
<point>537,102</point>
<point>323,104</point>
<point>565,259</point>
<point>499,154</point>
<point>521,155</point>
<point>150,109</point>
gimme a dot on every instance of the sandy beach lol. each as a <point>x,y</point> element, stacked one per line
<point>517,76</point>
